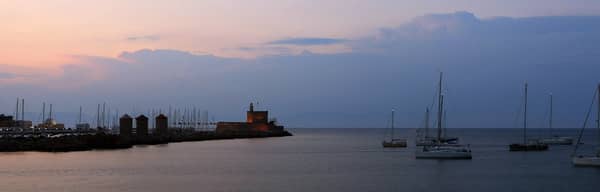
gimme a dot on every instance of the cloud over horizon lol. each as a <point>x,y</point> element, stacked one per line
<point>307,41</point>
<point>485,62</point>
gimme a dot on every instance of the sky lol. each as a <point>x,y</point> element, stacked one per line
<point>327,63</point>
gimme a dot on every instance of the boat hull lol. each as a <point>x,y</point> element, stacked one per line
<point>586,161</point>
<point>528,147</point>
<point>434,141</point>
<point>394,144</point>
<point>557,141</point>
<point>422,155</point>
<point>444,152</point>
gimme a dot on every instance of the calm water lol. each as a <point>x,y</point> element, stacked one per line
<point>312,160</point>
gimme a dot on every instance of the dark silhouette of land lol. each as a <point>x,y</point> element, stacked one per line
<point>107,141</point>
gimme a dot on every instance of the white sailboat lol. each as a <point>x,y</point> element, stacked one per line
<point>582,160</point>
<point>440,149</point>
<point>555,139</point>
<point>393,142</point>
<point>428,140</point>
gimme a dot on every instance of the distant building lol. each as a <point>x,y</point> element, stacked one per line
<point>6,121</point>
<point>125,126</point>
<point>51,124</point>
<point>23,124</point>
<point>141,126</point>
<point>256,122</point>
<point>162,124</point>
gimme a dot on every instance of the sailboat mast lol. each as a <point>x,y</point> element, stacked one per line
<point>440,103</point>
<point>440,127</point>
<point>80,110</point>
<point>17,110</point>
<point>50,115</point>
<point>551,110</point>
<point>445,125</point>
<point>392,124</point>
<point>43,113</point>
<point>427,122</point>
<point>23,112</point>
<point>98,117</point>
<point>525,117</point>
<point>104,115</point>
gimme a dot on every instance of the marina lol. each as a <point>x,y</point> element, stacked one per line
<point>300,96</point>
<point>52,138</point>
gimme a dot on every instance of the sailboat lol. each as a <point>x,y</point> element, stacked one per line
<point>393,142</point>
<point>555,139</point>
<point>427,140</point>
<point>423,137</point>
<point>440,149</point>
<point>531,145</point>
<point>589,160</point>
<point>80,125</point>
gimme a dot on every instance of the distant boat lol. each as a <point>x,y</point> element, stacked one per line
<point>582,160</point>
<point>555,139</point>
<point>441,149</point>
<point>527,145</point>
<point>393,142</point>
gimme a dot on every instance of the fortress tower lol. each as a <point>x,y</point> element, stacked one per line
<point>256,117</point>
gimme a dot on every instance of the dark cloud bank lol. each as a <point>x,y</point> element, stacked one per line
<point>485,62</point>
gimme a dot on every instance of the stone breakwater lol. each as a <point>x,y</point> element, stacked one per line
<point>102,141</point>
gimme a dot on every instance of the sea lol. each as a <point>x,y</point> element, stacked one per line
<point>344,160</point>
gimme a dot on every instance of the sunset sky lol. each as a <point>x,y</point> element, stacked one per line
<point>222,54</point>
<point>43,33</point>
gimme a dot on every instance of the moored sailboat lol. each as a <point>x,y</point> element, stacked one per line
<point>555,139</point>
<point>393,142</point>
<point>582,160</point>
<point>441,149</point>
<point>527,145</point>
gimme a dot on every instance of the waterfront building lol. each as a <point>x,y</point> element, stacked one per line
<point>23,124</point>
<point>6,121</point>
<point>141,126</point>
<point>256,122</point>
<point>51,124</point>
<point>162,124</point>
<point>125,126</point>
